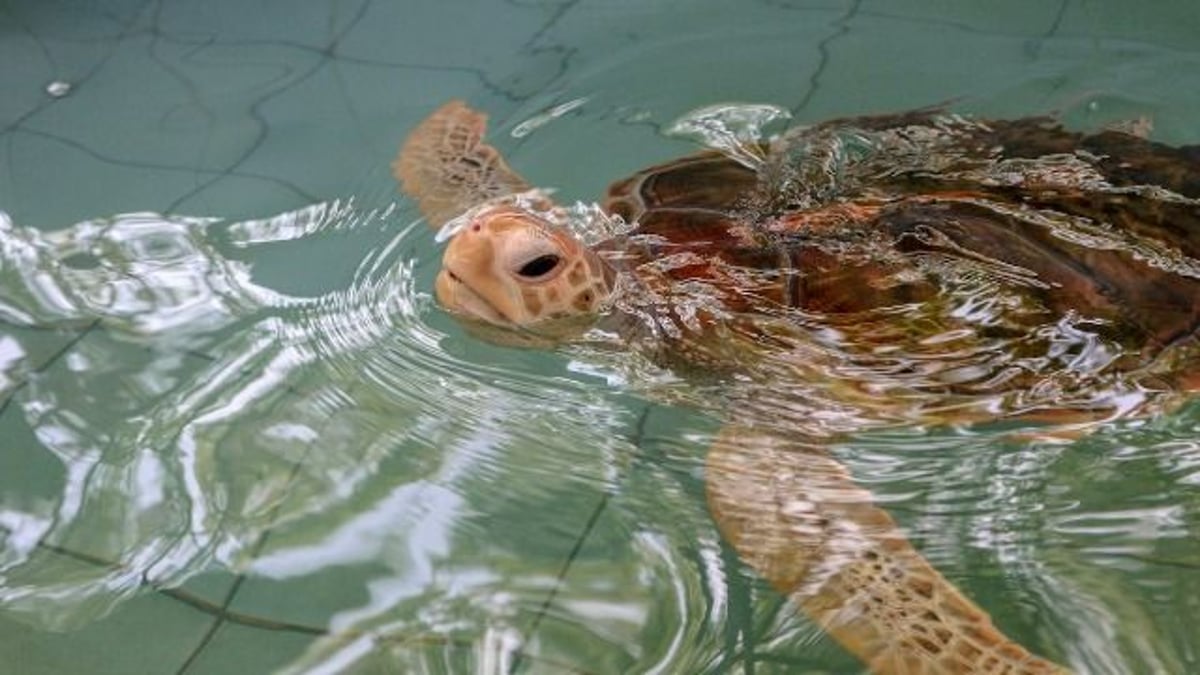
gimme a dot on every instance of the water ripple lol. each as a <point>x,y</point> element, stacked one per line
<point>208,410</point>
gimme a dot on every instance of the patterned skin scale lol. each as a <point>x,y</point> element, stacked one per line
<point>793,513</point>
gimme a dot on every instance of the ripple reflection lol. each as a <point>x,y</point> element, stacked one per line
<point>202,420</point>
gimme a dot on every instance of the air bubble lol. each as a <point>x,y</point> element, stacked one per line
<point>58,88</point>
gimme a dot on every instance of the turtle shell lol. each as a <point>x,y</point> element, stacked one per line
<point>1003,228</point>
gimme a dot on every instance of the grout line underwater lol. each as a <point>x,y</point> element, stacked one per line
<point>589,525</point>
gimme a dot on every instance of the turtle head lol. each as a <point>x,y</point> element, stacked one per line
<point>514,269</point>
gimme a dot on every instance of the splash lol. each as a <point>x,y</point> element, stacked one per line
<point>537,121</point>
<point>736,130</point>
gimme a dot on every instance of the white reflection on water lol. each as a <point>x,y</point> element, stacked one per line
<point>198,411</point>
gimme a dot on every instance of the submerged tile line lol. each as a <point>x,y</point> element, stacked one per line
<point>343,89</point>
<point>81,556</point>
<point>1058,20</point>
<point>49,361</point>
<point>588,526</point>
<point>260,138</point>
<point>561,52</point>
<point>240,618</point>
<point>220,611</point>
<point>187,83</point>
<point>200,603</point>
<point>223,612</point>
<point>842,25</point>
<point>254,110</point>
<point>742,641</point>
<point>263,623</point>
<point>556,15</point>
<point>213,175</point>
<point>963,26</point>
<point>157,166</point>
<point>576,548</point>
<point>336,55</point>
<point>180,76</point>
<point>9,397</point>
<point>62,351</point>
<point>330,54</point>
<point>257,622</point>
<point>24,27</point>
<point>560,10</point>
<point>339,34</point>
<point>1034,46</point>
<point>45,102</point>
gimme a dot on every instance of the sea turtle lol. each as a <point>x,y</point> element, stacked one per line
<point>921,268</point>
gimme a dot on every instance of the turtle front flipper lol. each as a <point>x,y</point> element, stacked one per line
<point>793,514</point>
<point>446,166</point>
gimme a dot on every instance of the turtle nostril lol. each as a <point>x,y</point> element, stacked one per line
<point>539,266</point>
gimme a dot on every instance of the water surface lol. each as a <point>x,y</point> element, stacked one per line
<point>240,436</point>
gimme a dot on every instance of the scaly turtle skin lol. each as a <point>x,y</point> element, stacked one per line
<point>913,269</point>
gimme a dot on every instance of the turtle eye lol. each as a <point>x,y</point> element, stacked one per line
<point>539,266</point>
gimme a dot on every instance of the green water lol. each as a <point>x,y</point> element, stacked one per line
<point>242,438</point>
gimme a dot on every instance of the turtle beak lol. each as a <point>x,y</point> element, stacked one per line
<point>455,295</point>
<point>473,283</point>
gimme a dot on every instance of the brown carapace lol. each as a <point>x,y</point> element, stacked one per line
<point>913,268</point>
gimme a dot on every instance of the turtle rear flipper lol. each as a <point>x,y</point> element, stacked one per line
<point>446,166</point>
